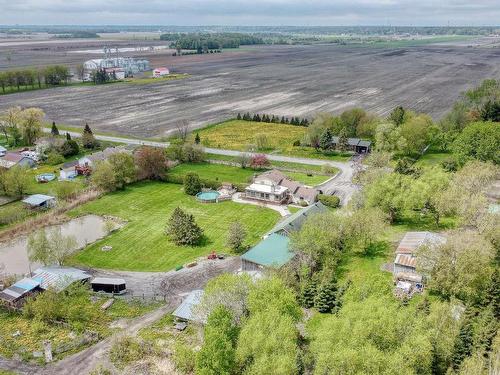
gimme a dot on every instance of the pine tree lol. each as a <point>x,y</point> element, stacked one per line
<point>343,140</point>
<point>183,230</point>
<point>326,139</point>
<point>54,131</point>
<point>464,341</point>
<point>192,184</point>
<point>86,129</point>
<point>236,236</point>
<point>68,136</point>
<point>197,139</point>
<point>326,297</point>
<point>283,121</point>
<point>309,293</point>
<point>239,116</point>
<point>88,139</point>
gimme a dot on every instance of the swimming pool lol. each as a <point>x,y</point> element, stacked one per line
<point>211,196</point>
<point>45,177</point>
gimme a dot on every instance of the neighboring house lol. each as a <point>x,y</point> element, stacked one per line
<point>40,201</point>
<point>295,191</point>
<point>295,221</point>
<point>186,310</point>
<point>357,145</point>
<point>91,159</point>
<point>57,278</point>
<point>406,252</point>
<point>3,151</point>
<point>11,159</point>
<point>272,252</point>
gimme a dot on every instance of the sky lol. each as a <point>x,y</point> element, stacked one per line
<point>251,12</point>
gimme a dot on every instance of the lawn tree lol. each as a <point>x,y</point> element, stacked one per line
<point>124,169</point>
<point>243,159</point>
<point>15,182</point>
<point>183,230</point>
<point>88,139</point>
<point>321,122</point>
<point>388,138</point>
<point>417,133</point>
<point>197,139</point>
<point>236,236</point>
<point>398,116</point>
<point>365,227</point>
<point>151,163</point>
<point>192,184</point>
<point>259,161</point>
<point>31,125</point>
<point>217,354</point>
<point>103,176</point>
<point>192,153</point>
<point>54,130</point>
<point>182,127</point>
<point>70,147</point>
<point>50,249</point>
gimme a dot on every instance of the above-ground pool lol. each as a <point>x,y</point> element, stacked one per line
<point>208,196</point>
<point>45,177</point>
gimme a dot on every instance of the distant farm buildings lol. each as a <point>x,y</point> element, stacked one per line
<point>121,66</point>
<point>357,145</point>
<point>160,72</point>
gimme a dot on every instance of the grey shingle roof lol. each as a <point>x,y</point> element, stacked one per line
<point>295,221</point>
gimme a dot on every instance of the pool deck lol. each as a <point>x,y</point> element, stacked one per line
<point>283,210</point>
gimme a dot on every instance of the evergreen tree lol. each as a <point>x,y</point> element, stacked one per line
<point>343,140</point>
<point>192,184</point>
<point>235,236</point>
<point>397,116</point>
<point>283,121</point>
<point>88,139</point>
<point>68,136</point>
<point>182,229</point>
<point>197,139</point>
<point>54,131</point>
<point>326,297</point>
<point>239,116</point>
<point>465,340</point>
<point>309,293</point>
<point>326,139</point>
<point>257,118</point>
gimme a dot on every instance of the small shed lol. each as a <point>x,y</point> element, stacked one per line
<point>59,278</point>
<point>185,311</point>
<point>109,285</point>
<point>15,295</point>
<point>272,252</point>
<point>405,263</point>
<point>40,201</point>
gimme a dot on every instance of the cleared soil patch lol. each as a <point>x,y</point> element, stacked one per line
<point>142,244</point>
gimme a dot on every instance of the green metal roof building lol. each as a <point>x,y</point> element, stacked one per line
<point>272,252</point>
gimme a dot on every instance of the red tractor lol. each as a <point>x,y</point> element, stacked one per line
<point>212,255</point>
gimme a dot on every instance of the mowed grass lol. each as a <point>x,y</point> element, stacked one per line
<point>240,135</point>
<point>312,180</point>
<point>431,158</point>
<point>141,245</point>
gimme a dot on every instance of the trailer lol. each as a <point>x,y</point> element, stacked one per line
<point>108,285</point>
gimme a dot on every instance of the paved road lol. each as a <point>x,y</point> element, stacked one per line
<point>341,185</point>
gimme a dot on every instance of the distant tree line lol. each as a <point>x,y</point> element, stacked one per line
<point>77,34</point>
<point>52,75</point>
<point>297,121</point>
<point>205,42</point>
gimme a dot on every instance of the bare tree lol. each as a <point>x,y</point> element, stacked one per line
<point>80,71</point>
<point>182,127</point>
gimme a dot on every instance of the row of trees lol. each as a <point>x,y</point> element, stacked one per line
<point>273,119</point>
<point>52,75</point>
<point>214,41</point>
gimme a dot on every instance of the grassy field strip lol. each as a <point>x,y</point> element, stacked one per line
<point>142,244</point>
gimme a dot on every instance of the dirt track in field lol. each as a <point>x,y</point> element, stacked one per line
<point>282,80</point>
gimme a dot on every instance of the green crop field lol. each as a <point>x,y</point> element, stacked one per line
<point>240,135</point>
<point>141,245</point>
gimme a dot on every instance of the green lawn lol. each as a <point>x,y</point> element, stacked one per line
<point>307,180</point>
<point>214,172</point>
<point>431,158</point>
<point>240,135</point>
<point>142,244</point>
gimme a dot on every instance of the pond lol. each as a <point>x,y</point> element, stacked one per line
<point>86,229</point>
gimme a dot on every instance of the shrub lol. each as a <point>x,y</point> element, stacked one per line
<point>184,358</point>
<point>69,148</point>
<point>127,350</point>
<point>192,184</point>
<point>328,169</point>
<point>192,153</point>
<point>296,143</point>
<point>66,190</point>
<point>450,165</point>
<point>54,158</point>
<point>259,161</point>
<point>261,141</point>
<point>329,200</point>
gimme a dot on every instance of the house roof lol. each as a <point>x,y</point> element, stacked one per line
<point>10,159</point>
<point>406,260</point>
<point>292,185</point>
<point>106,153</point>
<point>306,193</point>
<point>364,143</point>
<point>273,175</point>
<point>59,278</point>
<point>353,142</point>
<point>263,188</point>
<point>185,310</point>
<point>296,220</point>
<point>37,199</point>
<point>271,252</point>
<point>70,164</point>
<point>19,289</point>
<point>413,240</point>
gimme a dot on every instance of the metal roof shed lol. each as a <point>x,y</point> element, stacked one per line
<point>59,278</point>
<point>40,200</point>
<point>185,311</point>
<point>272,252</point>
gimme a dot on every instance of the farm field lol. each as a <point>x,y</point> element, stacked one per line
<point>240,135</point>
<point>298,80</point>
<point>237,175</point>
<point>142,244</point>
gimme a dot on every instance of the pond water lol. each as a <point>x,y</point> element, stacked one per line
<point>86,229</point>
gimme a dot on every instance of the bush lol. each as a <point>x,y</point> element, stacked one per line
<point>296,143</point>
<point>127,350</point>
<point>184,358</point>
<point>329,200</point>
<point>69,148</point>
<point>328,169</point>
<point>66,190</point>
<point>259,161</point>
<point>450,165</point>
<point>192,184</point>
<point>54,158</point>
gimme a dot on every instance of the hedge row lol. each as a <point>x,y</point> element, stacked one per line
<point>210,184</point>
